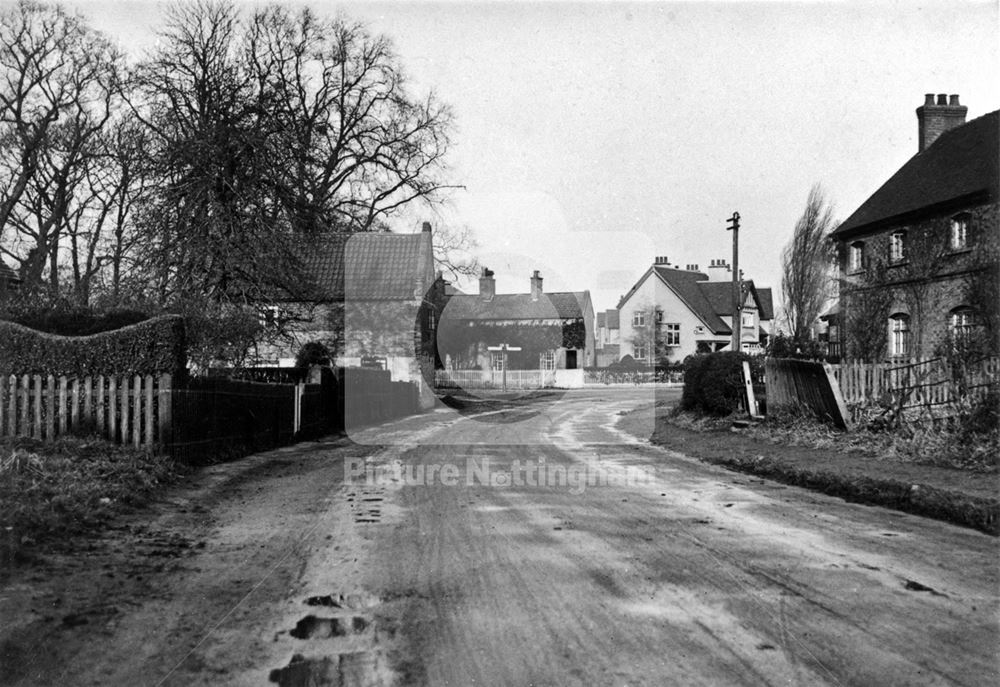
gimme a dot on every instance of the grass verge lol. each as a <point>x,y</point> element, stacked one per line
<point>71,485</point>
<point>943,492</point>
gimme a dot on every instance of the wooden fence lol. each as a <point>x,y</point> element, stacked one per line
<point>203,416</point>
<point>804,384</point>
<point>917,382</point>
<point>494,379</point>
<point>128,410</point>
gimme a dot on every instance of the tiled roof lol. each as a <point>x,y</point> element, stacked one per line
<point>370,266</point>
<point>962,162</point>
<point>7,274</point>
<point>567,305</point>
<point>709,300</point>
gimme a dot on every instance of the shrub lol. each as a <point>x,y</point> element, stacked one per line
<point>312,353</point>
<point>783,346</point>
<point>76,321</point>
<point>151,347</point>
<point>713,383</point>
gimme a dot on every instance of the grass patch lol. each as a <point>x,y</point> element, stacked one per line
<point>70,485</point>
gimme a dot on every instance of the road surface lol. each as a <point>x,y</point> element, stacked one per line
<point>539,546</point>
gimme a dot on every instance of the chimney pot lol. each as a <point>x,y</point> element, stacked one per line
<point>536,286</point>
<point>933,119</point>
<point>487,285</point>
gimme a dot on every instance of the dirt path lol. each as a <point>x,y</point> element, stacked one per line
<point>275,570</point>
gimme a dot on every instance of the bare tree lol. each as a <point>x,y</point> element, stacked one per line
<point>58,80</point>
<point>806,265</point>
<point>453,251</point>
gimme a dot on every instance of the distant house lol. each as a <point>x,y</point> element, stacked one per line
<point>9,279</point>
<point>554,331</point>
<point>677,312</point>
<point>608,338</point>
<point>372,298</point>
<point>918,259</point>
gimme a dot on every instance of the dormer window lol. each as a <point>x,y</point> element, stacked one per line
<point>959,232</point>
<point>855,256</point>
<point>897,246</point>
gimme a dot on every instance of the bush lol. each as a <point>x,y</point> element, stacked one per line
<point>713,382</point>
<point>312,353</point>
<point>783,346</point>
<point>75,321</point>
<point>151,347</point>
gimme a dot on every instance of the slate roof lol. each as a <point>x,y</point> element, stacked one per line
<point>707,299</point>
<point>963,162</point>
<point>601,320</point>
<point>613,319</point>
<point>370,266</point>
<point>567,305</point>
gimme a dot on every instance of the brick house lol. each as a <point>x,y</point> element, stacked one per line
<point>371,298</point>
<point>555,331</point>
<point>918,259</point>
<point>686,311</point>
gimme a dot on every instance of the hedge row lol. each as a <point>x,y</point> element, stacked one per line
<point>713,382</point>
<point>151,347</point>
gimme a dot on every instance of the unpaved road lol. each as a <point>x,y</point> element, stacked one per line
<point>277,570</point>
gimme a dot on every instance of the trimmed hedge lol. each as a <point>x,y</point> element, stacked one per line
<point>151,347</point>
<point>713,382</point>
<point>76,321</point>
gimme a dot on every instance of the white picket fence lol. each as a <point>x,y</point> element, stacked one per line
<point>516,379</point>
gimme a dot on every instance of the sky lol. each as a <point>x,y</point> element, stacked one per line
<point>592,137</point>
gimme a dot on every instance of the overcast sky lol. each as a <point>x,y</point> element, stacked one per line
<point>592,137</point>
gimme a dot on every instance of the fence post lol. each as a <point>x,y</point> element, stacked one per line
<point>36,430</point>
<point>123,410</point>
<point>74,403</point>
<point>101,415</point>
<point>149,413</point>
<point>62,404</point>
<point>165,428</point>
<point>25,393</point>
<point>88,412</point>
<point>3,402</point>
<point>12,406</point>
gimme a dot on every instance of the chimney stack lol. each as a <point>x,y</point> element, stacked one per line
<point>426,228</point>
<point>719,270</point>
<point>662,260</point>
<point>934,118</point>
<point>487,285</point>
<point>536,286</point>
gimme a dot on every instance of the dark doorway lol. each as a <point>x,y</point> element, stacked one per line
<point>570,360</point>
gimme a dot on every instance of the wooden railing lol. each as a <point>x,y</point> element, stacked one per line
<point>125,409</point>
<point>915,382</point>
<point>493,379</point>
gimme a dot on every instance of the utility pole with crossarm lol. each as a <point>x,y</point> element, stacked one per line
<point>734,225</point>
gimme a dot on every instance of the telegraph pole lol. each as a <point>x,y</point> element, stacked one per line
<point>734,225</point>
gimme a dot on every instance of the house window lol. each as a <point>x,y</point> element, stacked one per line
<point>959,232</point>
<point>856,256</point>
<point>640,352</point>
<point>672,334</point>
<point>431,321</point>
<point>748,320</point>
<point>897,246</point>
<point>899,334</point>
<point>547,360</point>
<point>270,317</point>
<point>497,360</point>
<point>638,319</point>
<point>963,322</point>
<point>659,316</point>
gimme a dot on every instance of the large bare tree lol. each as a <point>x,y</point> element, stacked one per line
<point>58,85</point>
<point>806,264</point>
